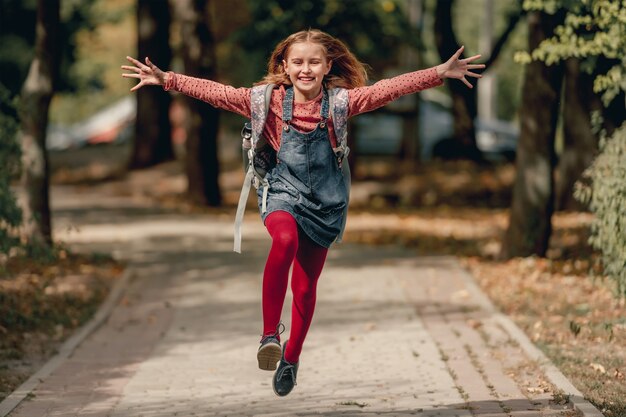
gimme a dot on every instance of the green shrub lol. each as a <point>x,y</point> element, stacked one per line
<point>604,189</point>
<point>10,153</point>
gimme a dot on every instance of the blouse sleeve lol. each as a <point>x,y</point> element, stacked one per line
<point>364,99</point>
<point>218,95</point>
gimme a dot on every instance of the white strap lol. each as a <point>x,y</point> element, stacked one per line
<point>241,208</point>
<point>266,186</point>
<point>345,171</point>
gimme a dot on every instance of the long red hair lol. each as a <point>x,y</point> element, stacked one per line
<point>346,70</point>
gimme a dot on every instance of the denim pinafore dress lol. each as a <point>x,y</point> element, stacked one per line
<point>307,181</point>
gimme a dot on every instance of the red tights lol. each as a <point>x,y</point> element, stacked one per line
<point>290,245</point>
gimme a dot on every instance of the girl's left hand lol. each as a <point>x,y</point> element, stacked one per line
<point>147,74</point>
<point>459,68</point>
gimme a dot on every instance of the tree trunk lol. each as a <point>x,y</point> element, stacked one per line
<point>533,192</point>
<point>411,59</point>
<point>581,145</point>
<point>201,125</point>
<point>485,93</point>
<point>152,129</point>
<point>35,99</point>
<point>464,99</point>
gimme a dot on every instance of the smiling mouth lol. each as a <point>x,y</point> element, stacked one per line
<point>306,79</point>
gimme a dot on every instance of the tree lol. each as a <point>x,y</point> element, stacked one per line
<point>411,58</point>
<point>198,53</point>
<point>592,33</point>
<point>533,191</point>
<point>152,129</point>
<point>10,213</point>
<point>580,143</point>
<point>464,105</point>
<point>17,38</point>
<point>586,42</point>
<point>36,94</point>
<point>372,29</point>
<point>464,100</point>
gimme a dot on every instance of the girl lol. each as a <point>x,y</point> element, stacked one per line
<point>307,194</point>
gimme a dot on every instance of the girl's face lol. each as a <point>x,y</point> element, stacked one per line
<point>306,65</point>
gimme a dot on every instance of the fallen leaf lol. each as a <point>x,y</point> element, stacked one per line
<point>370,326</point>
<point>599,368</point>
<point>475,324</point>
<point>461,294</point>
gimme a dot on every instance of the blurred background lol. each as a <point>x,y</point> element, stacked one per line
<point>552,93</point>
<point>391,36</point>
<point>542,93</point>
<point>525,172</point>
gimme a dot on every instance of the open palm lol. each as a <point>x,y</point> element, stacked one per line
<point>148,73</point>
<point>460,68</point>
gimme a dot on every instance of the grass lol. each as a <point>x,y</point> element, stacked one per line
<point>544,298</point>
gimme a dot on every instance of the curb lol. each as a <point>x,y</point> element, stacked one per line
<point>68,347</point>
<point>575,397</point>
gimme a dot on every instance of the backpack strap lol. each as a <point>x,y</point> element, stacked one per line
<point>339,106</point>
<point>339,101</point>
<point>260,97</point>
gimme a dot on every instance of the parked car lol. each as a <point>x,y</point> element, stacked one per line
<point>112,124</point>
<point>380,133</point>
<point>497,139</point>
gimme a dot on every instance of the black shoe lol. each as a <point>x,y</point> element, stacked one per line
<point>285,377</point>
<point>269,352</point>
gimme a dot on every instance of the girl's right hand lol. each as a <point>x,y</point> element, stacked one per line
<point>148,73</point>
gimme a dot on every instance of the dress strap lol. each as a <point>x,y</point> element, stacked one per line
<point>325,106</point>
<point>288,105</point>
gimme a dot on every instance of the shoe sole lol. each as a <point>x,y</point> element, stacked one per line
<point>268,356</point>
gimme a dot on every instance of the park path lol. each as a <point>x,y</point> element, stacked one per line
<point>394,334</point>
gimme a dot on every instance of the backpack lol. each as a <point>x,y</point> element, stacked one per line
<point>259,157</point>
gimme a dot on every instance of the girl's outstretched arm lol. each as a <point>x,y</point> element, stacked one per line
<point>364,99</point>
<point>218,95</point>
